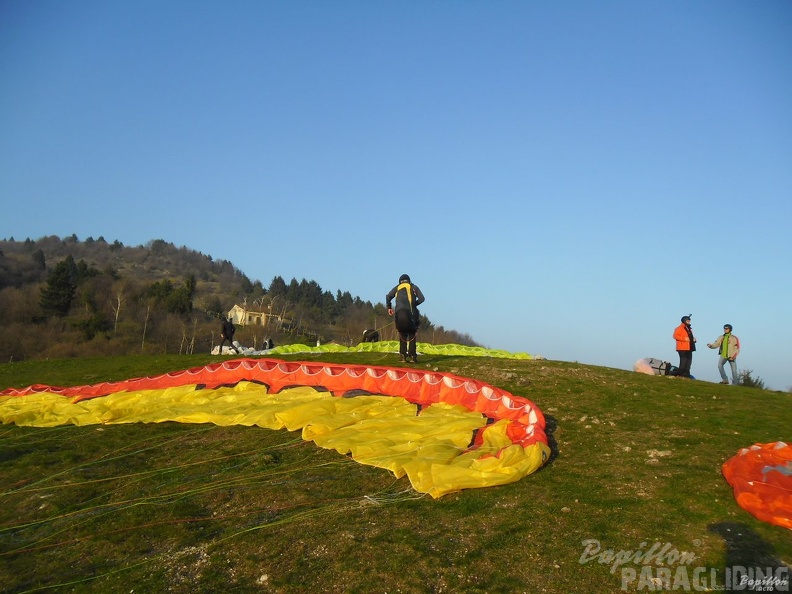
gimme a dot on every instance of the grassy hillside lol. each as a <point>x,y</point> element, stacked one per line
<point>64,298</point>
<point>196,508</point>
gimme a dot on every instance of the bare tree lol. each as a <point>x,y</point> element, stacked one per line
<point>116,307</point>
<point>192,338</point>
<point>145,325</point>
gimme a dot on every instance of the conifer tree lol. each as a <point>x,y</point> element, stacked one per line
<point>57,295</point>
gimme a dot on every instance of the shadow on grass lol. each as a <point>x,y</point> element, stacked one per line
<point>550,427</point>
<point>749,555</point>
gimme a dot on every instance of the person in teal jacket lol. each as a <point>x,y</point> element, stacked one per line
<point>728,346</point>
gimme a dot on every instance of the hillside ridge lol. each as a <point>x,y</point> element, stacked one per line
<point>63,297</point>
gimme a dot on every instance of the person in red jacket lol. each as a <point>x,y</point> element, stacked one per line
<point>685,345</point>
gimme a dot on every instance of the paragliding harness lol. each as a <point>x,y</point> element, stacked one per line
<point>663,367</point>
<point>415,316</point>
<point>659,367</point>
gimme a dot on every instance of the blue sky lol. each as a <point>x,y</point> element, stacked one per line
<point>565,179</point>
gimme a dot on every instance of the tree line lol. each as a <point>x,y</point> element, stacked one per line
<point>62,297</point>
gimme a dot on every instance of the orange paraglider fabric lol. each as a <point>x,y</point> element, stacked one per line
<point>761,477</point>
<point>491,436</point>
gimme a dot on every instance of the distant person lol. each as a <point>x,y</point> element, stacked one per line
<point>227,333</point>
<point>728,346</point>
<point>685,345</point>
<point>268,344</point>
<point>405,314</point>
<point>371,335</point>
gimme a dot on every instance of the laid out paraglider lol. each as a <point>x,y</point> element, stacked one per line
<point>444,432</point>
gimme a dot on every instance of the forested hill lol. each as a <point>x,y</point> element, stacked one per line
<point>63,297</point>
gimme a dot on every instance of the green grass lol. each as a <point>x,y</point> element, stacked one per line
<point>196,508</point>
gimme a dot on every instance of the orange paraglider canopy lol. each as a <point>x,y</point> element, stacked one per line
<point>761,477</point>
<point>498,437</point>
